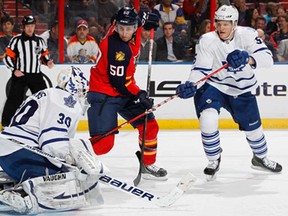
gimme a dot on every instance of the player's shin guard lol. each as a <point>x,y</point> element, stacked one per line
<point>148,169</point>
<point>211,141</point>
<point>213,151</point>
<point>257,142</point>
<point>260,161</point>
<point>104,145</point>
<point>210,134</point>
<point>150,147</point>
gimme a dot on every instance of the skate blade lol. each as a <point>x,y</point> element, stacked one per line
<point>263,169</point>
<point>147,176</point>
<point>211,177</point>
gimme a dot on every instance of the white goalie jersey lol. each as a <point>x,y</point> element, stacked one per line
<point>211,54</point>
<point>42,121</point>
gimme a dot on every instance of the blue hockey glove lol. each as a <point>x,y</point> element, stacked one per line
<point>151,22</point>
<point>237,58</point>
<point>145,100</point>
<point>186,90</point>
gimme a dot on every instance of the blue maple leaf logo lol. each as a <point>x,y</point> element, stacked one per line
<point>69,101</point>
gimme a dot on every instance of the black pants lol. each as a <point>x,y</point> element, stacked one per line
<point>34,82</point>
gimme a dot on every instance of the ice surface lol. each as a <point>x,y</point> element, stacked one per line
<point>237,191</point>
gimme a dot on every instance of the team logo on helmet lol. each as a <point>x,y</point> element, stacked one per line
<point>227,12</point>
<point>126,12</point>
<point>127,16</point>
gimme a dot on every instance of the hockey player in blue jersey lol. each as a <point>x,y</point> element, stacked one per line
<point>230,88</point>
<point>47,121</point>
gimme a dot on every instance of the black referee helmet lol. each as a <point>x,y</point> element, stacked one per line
<point>28,20</point>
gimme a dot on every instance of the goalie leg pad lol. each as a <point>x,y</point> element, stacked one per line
<point>61,192</point>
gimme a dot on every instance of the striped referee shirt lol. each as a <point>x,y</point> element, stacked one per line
<point>26,53</point>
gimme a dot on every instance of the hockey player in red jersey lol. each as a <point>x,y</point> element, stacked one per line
<point>113,89</point>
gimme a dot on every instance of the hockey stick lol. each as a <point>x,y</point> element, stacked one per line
<point>183,185</point>
<point>141,153</point>
<point>97,138</point>
<point>164,201</point>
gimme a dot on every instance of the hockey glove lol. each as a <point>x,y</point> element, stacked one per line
<point>145,100</point>
<point>151,22</point>
<point>238,58</point>
<point>83,157</point>
<point>186,90</point>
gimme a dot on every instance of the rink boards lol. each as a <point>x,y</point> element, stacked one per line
<point>180,114</point>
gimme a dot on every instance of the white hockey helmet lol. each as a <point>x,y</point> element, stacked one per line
<point>228,13</point>
<point>74,81</point>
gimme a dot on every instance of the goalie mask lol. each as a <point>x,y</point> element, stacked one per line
<point>73,80</point>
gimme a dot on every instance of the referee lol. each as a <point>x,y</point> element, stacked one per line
<point>24,56</point>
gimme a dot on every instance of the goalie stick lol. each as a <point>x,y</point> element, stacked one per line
<point>183,185</point>
<point>97,138</point>
<point>164,201</point>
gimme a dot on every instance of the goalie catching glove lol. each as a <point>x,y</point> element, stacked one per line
<point>81,154</point>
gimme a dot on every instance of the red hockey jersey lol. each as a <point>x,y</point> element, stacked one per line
<point>114,71</point>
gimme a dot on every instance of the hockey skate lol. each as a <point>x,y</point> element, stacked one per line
<point>153,172</point>
<point>211,170</point>
<point>265,164</point>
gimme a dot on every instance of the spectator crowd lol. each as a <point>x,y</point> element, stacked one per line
<point>182,22</point>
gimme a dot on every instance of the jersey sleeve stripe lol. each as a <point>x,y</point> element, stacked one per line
<point>29,132</point>
<point>230,77</point>
<point>127,84</point>
<point>10,53</point>
<point>20,136</point>
<point>202,69</point>
<point>56,140</point>
<point>237,87</point>
<point>52,129</point>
